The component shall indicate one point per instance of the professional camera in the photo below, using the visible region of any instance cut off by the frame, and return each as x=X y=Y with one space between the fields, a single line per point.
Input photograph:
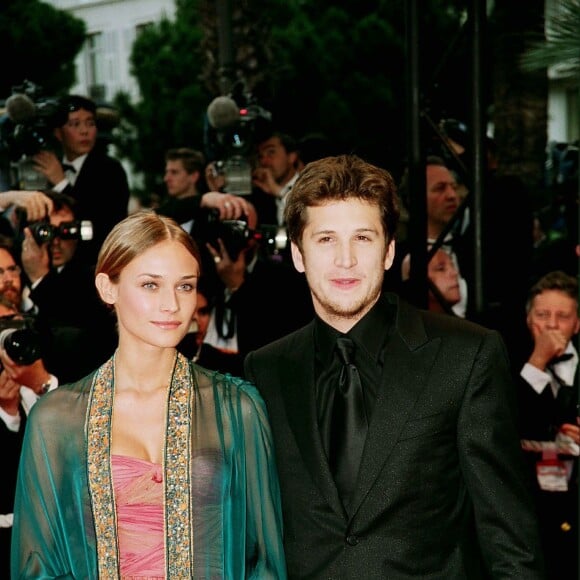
x=19 y=338
x=25 y=129
x=43 y=231
x=236 y=235
x=235 y=124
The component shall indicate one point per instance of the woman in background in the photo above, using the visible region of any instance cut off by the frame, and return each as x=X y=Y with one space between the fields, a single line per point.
x=151 y=466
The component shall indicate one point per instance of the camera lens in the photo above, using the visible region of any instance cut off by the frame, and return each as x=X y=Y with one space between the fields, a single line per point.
x=21 y=344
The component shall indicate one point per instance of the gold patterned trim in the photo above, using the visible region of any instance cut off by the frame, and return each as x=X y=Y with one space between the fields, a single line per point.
x=99 y=417
x=177 y=470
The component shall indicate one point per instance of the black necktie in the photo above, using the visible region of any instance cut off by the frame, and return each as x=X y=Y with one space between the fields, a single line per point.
x=69 y=167
x=349 y=423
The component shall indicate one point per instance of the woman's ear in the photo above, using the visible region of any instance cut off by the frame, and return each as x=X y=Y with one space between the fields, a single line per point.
x=105 y=288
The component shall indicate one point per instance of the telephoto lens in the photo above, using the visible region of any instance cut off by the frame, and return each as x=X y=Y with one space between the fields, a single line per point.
x=21 y=344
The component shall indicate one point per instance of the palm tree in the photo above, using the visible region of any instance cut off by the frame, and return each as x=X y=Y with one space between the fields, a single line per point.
x=561 y=47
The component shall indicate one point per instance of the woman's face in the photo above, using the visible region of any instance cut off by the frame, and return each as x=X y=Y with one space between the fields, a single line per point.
x=155 y=297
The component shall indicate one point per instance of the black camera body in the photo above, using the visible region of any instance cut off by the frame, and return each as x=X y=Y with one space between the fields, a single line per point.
x=43 y=231
x=236 y=235
x=20 y=340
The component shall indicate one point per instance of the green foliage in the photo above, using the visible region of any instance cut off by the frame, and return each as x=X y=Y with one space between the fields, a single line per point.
x=166 y=62
x=318 y=66
x=561 y=48
x=39 y=44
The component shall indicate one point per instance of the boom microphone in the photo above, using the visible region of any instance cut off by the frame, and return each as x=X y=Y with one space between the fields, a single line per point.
x=222 y=113
x=20 y=108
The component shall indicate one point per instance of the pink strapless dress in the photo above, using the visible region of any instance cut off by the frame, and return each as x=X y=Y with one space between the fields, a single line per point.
x=138 y=488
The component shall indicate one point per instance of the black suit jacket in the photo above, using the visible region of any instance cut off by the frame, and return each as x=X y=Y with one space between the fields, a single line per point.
x=11 y=445
x=441 y=490
x=101 y=191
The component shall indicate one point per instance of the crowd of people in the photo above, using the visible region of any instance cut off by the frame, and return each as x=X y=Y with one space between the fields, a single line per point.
x=239 y=386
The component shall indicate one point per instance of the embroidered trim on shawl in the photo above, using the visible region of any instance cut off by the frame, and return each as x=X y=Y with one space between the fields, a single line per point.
x=177 y=470
x=99 y=415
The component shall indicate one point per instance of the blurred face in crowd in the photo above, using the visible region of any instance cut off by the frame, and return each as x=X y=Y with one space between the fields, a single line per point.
x=201 y=317
x=554 y=310
x=62 y=251
x=10 y=282
x=443 y=273
x=78 y=135
x=178 y=181
x=442 y=198
x=272 y=155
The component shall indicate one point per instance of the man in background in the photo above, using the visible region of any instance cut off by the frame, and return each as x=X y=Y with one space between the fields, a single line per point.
x=85 y=171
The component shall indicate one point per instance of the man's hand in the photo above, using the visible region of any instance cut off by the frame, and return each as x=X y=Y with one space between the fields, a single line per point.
x=547 y=345
x=33 y=375
x=9 y=394
x=47 y=163
x=230 y=272
x=34 y=257
x=263 y=178
x=231 y=207
x=37 y=204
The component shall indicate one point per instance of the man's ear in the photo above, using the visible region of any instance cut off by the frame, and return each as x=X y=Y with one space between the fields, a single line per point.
x=106 y=289
x=297 y=257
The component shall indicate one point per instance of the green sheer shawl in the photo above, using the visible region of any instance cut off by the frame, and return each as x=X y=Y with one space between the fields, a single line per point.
x=222 y=506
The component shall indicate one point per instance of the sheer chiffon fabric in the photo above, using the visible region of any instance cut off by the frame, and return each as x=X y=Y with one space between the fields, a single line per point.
x=138 y=488
x=221 y=502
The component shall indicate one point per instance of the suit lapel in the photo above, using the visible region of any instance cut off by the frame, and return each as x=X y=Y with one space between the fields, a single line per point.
x=409 y=356
x=298 y=388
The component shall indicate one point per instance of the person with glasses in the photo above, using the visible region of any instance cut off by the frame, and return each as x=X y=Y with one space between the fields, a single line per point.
x=85 y=171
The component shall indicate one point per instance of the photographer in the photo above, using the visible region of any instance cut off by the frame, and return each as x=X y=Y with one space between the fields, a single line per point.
x=61 y=291
x=86 y=173
x=258 y=299
x=20 y=387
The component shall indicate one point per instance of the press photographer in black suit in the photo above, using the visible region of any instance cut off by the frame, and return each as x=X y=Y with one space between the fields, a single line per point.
x=61 y=292
x=85 y=172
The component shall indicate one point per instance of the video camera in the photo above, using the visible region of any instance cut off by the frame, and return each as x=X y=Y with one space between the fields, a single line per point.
x=25 y=129
x=19 y=338
x=236 y=235
x=234 y=125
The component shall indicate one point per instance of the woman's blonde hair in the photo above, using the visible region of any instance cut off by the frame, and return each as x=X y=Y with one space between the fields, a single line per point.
x=136 y=234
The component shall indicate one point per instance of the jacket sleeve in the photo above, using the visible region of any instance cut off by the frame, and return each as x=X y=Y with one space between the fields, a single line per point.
x=493 y=467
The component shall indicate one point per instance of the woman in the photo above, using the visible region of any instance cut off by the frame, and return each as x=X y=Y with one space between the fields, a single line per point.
x=151 y=466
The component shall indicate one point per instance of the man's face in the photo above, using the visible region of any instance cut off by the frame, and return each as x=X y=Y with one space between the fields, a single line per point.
x=62 y=251
x=10 y=283
x=78 y=135
x=177 y=180
x=344 y=256
x=273 y=155
x=442 y=197
x=554 y=310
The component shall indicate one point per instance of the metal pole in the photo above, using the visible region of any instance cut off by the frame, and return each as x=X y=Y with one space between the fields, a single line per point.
x=415 y=165
x=477 y=19
x=225 y=45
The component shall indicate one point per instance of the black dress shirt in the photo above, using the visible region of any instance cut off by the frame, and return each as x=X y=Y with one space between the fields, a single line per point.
x=370 y=335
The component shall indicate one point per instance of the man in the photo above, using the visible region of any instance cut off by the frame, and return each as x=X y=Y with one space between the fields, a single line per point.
x=183 y=169
x=20 y=387
x=86 y=173
x=61 y=292
x=440 y=491
x=550 y=432
x=277 y=157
